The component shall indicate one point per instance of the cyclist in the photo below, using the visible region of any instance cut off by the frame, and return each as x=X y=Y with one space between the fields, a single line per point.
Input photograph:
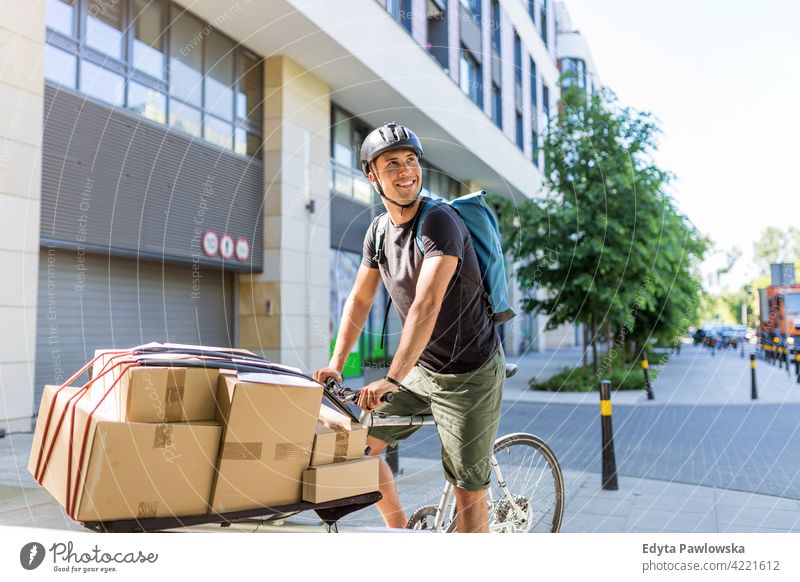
x=449 y=360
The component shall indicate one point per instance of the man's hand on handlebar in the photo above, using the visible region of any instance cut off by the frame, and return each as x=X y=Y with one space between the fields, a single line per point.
x=370 y=396
x=323 y=374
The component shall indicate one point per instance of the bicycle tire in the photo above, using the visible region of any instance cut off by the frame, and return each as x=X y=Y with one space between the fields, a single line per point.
x=542 y=497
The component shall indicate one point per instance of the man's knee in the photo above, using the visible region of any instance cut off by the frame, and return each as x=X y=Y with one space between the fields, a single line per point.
x=376 y=446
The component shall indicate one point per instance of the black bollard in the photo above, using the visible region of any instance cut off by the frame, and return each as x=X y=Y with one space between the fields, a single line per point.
x=393 y=459
x=647 y=385
x=797 y=364
x=742 y=350
x=609 y=460
x=788 y=354
x=753 y=389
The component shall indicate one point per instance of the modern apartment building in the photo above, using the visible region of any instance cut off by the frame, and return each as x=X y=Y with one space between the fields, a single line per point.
x=188 y=171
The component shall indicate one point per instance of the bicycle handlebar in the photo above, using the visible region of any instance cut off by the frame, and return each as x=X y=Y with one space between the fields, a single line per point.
x=346 y=394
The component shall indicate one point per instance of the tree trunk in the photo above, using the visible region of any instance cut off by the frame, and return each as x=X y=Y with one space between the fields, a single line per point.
x=594 y=344
x=585 y=345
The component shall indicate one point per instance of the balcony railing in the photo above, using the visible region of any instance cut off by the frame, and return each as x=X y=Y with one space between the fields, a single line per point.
x=347 y=181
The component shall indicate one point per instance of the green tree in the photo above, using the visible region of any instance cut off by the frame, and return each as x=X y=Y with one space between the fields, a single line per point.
x=776 y=246
x=605 y=242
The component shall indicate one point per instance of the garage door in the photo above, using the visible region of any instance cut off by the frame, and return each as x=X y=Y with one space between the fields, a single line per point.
x=90 y=301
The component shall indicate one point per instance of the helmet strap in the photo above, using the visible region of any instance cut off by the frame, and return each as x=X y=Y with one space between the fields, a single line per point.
x=401 y=206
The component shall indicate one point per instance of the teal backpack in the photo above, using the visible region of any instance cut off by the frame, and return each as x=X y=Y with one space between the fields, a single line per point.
x=482 y=225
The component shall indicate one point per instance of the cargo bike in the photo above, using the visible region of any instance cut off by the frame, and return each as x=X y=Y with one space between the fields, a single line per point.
x=527 y=485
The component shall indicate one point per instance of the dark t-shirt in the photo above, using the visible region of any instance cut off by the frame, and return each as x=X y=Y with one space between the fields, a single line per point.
x=464 y=337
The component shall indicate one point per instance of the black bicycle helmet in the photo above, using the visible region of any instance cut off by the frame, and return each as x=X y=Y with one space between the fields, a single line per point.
x=391 y=136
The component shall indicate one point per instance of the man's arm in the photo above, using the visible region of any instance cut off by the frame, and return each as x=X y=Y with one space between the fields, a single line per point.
x=434 y=278
x=354 y=316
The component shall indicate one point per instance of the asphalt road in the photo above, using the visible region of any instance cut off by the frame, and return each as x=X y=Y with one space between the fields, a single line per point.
x=752 y=448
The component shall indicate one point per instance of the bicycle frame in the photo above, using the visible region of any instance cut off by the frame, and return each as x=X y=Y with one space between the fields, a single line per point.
x=379 y=419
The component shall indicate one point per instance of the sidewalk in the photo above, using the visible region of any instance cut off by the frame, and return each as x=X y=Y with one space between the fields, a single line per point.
x=694 y=377
x=640 y=505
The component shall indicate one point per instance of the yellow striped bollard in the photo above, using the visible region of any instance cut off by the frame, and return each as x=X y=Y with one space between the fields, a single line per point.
x=647 y=385
x=753 y=390
x=609 y=460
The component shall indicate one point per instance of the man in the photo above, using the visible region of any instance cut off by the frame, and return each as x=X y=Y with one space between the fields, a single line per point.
x=449 y=362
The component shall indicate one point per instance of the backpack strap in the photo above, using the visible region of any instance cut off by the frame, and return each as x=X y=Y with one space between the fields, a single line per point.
x=378 y=236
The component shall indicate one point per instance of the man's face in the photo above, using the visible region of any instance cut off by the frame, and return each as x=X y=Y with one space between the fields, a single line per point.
x=399 y=174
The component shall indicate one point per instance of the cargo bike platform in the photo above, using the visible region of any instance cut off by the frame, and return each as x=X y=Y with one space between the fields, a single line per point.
x=329 y=512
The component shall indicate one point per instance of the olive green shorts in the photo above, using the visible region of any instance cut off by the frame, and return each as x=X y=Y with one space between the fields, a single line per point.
x=466 y=408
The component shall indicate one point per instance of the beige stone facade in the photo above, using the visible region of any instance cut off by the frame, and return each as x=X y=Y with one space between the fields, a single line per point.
x=284 y=311
x=21 y=103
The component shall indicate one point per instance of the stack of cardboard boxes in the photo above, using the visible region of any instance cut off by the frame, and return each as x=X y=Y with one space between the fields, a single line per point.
x=144 y=442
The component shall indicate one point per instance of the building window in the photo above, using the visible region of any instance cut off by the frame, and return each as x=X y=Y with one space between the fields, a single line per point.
x=532 y=11
x=60 y=16
x=497 y=106
x=574 y=72
x=212 y=88
x=519 y=133
x=517 y=58
x=546 y=103
x=60 y=67
x=148 y=40
x=470 y=77
x=401 y=11
x=347 y=135
x=543 y=20
x=496 y=26
x=473 y=9
x=437 y=32
x=104 y=27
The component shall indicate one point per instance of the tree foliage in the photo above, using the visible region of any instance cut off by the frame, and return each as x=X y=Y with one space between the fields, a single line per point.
x=605 y=245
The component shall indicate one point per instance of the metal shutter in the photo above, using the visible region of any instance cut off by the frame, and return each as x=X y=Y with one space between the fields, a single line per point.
x=118 y=303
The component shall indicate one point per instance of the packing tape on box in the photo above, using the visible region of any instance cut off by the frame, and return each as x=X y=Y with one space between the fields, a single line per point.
x=340 y=449
x=173 y=407
x=164 y=437
x=292 y=451
x=241 y=451
x=147 y=509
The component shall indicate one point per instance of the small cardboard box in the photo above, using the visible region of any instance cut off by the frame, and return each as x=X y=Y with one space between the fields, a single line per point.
x=156 y=394
x=129 y=470
x=339 y=480
x=268 y=436
x=324 y=446
x=351 y=437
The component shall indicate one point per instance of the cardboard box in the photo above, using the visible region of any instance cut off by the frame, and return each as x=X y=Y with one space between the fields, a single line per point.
x=324 y=446
x=154 y=394
x=339 y=480
x=351 y=437
x=129 y=470
x=268 y=437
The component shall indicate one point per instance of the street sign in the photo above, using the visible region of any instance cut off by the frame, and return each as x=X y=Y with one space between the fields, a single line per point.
x=210 y=243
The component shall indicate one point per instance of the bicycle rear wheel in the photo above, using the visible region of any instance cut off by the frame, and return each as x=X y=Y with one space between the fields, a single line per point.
x=527 y=487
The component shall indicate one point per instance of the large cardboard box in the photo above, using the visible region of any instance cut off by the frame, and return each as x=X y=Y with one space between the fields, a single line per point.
x=339 y=480
x=129 y=470
x=351 y=437
x=268 y=436
x=156 y=394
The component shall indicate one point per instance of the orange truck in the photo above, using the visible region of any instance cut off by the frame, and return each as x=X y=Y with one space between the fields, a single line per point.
x=779 y=308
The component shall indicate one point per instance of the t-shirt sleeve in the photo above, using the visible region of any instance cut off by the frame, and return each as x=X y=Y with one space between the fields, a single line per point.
x=442 y=235
x=368 y=251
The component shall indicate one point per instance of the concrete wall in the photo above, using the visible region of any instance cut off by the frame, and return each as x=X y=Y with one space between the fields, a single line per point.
x=21 y=103
x=284 y=311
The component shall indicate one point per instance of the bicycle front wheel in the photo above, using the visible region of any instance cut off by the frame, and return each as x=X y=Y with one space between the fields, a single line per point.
x=527 y=486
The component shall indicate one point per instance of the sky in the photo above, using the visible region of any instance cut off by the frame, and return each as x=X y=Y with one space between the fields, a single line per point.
x=723 y=78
